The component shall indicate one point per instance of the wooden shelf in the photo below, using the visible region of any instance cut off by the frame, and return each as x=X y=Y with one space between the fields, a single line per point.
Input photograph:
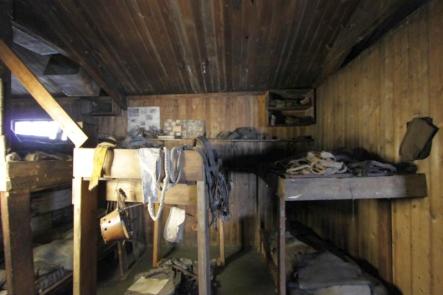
x=276 y=116
x=230 y=140
x=296 y=109
x=126 y=164
x=349 y=188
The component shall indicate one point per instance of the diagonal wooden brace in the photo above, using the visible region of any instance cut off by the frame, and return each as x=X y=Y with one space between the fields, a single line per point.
x=41 y=95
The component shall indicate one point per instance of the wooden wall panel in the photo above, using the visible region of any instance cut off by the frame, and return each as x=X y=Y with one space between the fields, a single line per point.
x=220 y=111
x=368 y=104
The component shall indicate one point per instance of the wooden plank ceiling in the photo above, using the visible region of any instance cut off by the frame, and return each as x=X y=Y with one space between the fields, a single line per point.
x=157 y=46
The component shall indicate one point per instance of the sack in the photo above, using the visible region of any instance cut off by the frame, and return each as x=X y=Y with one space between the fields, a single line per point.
x=174 y=226
x=417 y=142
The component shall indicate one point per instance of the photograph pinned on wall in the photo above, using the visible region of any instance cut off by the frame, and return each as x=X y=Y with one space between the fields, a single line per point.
x=147 y=118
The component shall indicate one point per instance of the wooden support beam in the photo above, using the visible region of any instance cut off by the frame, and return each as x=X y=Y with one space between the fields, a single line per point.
x=85 y=238
x=126 y=164
x=17 y=240
x=41 y=95
x=122 y=260
x=221 y=238
x=204 y=271
x=156 y=240
x=5 y=74
x=281 y=264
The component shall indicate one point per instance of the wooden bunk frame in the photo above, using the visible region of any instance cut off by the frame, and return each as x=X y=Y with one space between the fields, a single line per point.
x=336 y=188
x=125 y=173
x=18 y=180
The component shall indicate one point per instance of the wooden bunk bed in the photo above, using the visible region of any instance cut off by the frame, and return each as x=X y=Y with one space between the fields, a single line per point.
x=125 y=174
x=19 y=179
x=298 y=189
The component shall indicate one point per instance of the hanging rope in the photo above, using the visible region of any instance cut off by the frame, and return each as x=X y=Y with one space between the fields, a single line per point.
x=172 y=167
x=217 y=186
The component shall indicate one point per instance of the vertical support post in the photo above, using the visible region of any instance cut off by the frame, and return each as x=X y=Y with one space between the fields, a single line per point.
x=5 y=74
x=17 y=240
x=85 y=238
x=122 y=260
x=156 y=240
x=204 y=280
x=221 y=235
x=281 y=244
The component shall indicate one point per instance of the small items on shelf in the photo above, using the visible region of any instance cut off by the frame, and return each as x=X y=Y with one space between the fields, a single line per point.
x=292 y=107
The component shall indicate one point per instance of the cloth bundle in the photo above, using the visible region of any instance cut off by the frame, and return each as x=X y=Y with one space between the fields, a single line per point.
x=152 y=167
x=318 y=163
x=174 y=226
x=357 y=162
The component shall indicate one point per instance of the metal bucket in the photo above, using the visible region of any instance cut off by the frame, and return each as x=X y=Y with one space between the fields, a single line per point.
x=113 y=227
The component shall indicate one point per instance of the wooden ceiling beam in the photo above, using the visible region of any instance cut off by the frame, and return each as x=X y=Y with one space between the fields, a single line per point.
x=370 y=18
x=41 y=95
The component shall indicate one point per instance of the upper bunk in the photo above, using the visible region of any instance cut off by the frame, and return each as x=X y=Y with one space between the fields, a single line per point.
x=33 y=176
x=352 y=188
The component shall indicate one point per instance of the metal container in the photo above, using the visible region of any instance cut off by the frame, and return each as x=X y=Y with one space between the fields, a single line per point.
x=113 y=227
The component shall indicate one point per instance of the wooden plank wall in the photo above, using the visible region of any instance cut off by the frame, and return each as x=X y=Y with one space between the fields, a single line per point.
x=368 y=104
x=27 y=108
x=221 y=112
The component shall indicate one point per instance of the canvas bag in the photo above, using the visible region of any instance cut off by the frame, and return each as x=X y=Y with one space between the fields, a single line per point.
x=417 y=142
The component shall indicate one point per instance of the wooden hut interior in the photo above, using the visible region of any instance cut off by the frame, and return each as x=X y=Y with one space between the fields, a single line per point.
x=153 y=147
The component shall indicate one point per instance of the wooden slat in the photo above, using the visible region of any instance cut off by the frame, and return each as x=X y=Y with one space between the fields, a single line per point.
x=126 y=164
x=85 y=238
x=17 y=240
x=204 y=271
x=39 y=175
x=435 y=78
x=3 y=165
x=352 y=188
x=218 y=46
x=221 y=241
x=281 y=263
x=156 y=240
x=41 y=95
x=180 y=194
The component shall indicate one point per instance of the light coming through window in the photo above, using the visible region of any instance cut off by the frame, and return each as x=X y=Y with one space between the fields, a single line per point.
x=43 y=129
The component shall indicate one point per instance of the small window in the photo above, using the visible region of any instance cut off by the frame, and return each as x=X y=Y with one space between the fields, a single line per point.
x=38 y=130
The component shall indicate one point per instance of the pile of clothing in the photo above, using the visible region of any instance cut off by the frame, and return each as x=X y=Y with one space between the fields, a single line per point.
x=356 y=162
x=314 y=267
x=52 y=263
x=248 y=133
x=37 y=156
x=324 y=273
x=140 y=138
